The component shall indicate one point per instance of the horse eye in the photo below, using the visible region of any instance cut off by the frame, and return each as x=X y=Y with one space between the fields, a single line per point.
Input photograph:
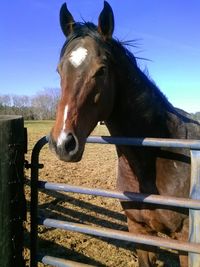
x=100 y=72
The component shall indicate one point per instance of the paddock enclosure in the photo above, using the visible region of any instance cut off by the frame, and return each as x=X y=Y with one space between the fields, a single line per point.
x=57 y=204
x=192 y=145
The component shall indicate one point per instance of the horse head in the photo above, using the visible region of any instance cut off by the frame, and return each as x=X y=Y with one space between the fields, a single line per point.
x=87 y=87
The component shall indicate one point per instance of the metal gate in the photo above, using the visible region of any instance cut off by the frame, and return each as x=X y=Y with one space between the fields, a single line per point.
x=192 y=203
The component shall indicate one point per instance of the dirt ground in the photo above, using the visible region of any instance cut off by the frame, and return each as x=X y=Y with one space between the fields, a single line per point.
x=97 y=169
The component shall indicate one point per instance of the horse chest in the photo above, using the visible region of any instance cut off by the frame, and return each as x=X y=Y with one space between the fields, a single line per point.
x=173 y=175
x=127 y=179
x=136 y=173
x=160 y=177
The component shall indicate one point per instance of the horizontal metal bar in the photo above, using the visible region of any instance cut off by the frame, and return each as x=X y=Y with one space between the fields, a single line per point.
x=130 y=196
x=122 y=235
x=58 y=262
x=152 y=142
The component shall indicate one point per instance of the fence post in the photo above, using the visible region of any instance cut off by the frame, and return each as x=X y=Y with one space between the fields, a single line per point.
x=12 y=201
x=34 y=199
x=194 y=229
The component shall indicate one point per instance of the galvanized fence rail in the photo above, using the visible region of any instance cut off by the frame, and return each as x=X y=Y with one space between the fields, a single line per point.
x=192 y=203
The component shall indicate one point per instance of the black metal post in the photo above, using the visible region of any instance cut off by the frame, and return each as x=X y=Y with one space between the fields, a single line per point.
x=34 y=198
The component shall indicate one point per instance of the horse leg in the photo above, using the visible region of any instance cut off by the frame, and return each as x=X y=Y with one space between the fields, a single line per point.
x=145 y=258
x=183 y=260
x=183 y=236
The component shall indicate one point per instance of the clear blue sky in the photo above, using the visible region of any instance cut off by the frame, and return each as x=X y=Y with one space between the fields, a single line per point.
x=168 y=33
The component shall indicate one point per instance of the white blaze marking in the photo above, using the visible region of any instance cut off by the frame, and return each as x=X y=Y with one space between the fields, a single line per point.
x=63 y=135
x=65 y=116
x=61 y=138
x=78 y=56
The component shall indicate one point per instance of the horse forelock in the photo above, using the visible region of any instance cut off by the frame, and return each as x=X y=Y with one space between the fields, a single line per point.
x=113 y=47
x=81 y=30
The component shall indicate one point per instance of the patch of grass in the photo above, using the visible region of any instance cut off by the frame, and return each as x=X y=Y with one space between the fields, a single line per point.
x=41 y=126
x=38 y=129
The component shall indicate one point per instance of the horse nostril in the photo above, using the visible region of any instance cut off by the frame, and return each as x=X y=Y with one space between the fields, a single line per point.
x=70 y=143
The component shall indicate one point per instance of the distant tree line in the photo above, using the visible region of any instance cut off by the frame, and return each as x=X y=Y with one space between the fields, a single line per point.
x=196 y=116
x=42 y=106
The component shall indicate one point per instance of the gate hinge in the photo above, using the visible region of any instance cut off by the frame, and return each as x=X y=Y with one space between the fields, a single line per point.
x=28 y=165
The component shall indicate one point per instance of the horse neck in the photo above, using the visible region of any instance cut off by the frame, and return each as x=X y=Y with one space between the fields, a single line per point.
x=140 y=109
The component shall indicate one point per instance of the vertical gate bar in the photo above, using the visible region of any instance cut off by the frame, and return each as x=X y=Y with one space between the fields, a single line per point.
x=194 y=215
x=34 y=199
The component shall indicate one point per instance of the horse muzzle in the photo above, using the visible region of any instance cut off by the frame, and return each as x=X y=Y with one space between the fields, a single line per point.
x=67 y=147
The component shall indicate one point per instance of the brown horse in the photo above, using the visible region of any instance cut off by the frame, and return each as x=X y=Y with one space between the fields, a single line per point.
x=100 y=80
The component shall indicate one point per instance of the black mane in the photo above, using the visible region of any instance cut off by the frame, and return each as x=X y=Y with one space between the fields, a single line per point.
x=124 y=59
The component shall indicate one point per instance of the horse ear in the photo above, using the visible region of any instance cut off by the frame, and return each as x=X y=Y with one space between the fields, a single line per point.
x=106 y=21
x=66 y=20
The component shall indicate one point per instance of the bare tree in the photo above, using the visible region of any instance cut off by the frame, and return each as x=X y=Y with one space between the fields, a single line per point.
x=5 y=100
x=21 y=101
x=44 y=103
x=5 y=104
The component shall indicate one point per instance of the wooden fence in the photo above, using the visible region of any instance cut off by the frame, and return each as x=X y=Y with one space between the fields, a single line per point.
x=12 y=201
